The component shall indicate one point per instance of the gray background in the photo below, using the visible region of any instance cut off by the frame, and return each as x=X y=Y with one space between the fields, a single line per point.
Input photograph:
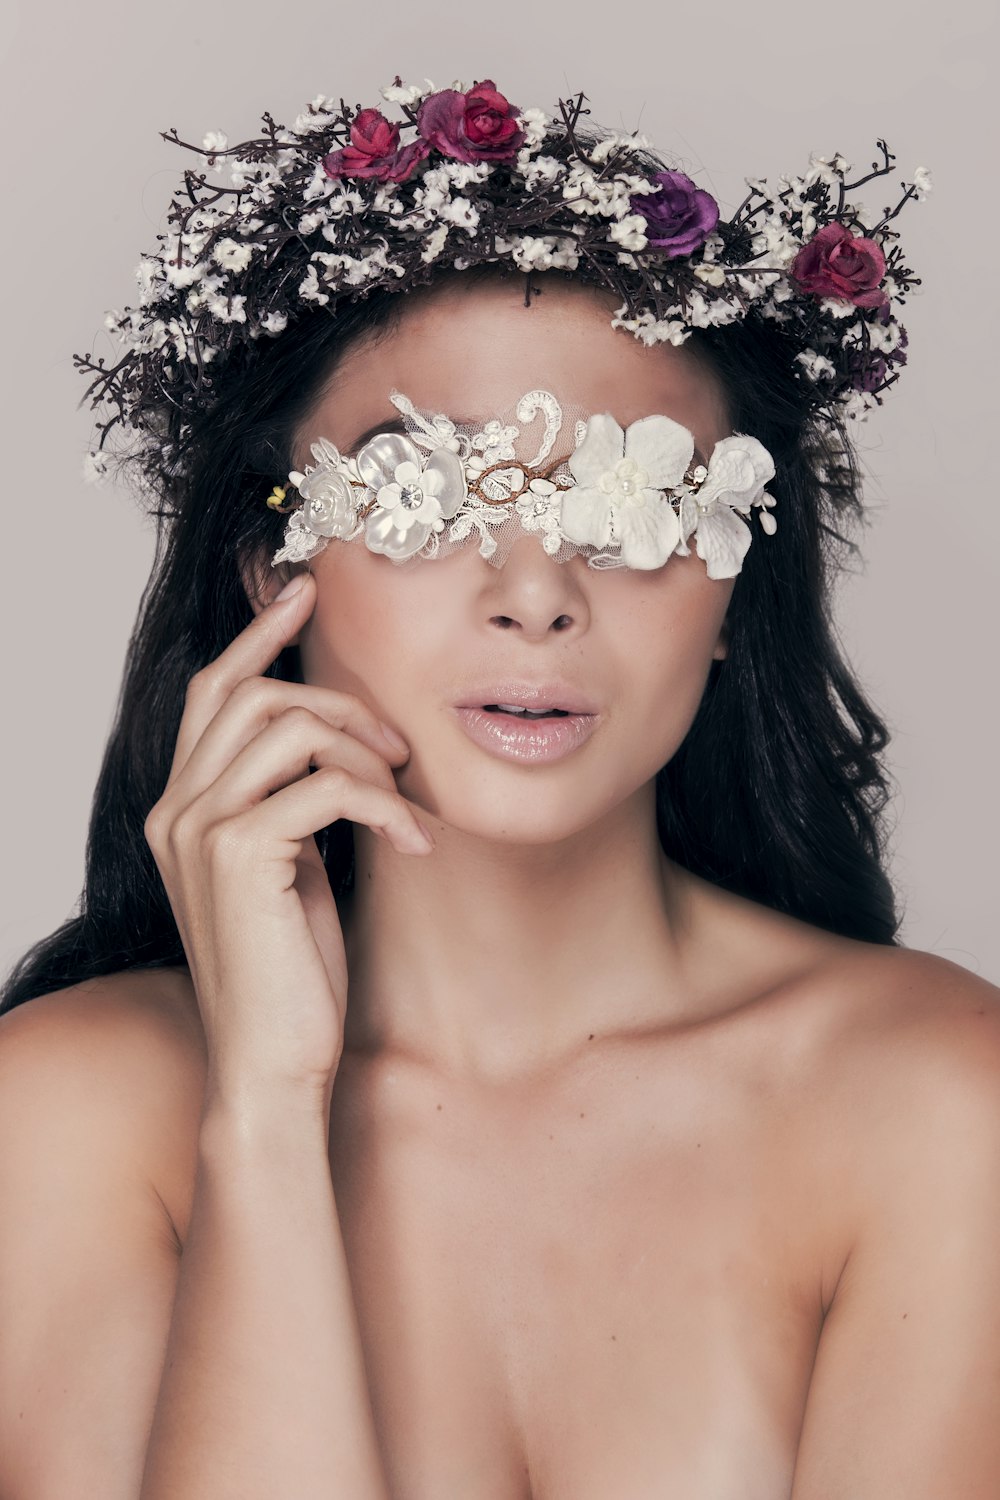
x=729 y=91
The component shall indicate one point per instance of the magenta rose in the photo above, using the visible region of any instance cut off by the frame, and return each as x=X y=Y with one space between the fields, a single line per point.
x=679 y=216
x=475 y=126
x=375 y=151
x=837 y=263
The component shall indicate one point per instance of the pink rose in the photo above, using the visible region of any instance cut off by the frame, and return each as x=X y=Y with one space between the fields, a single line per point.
x=471 y=127
x=375 y=151
x=836 y=263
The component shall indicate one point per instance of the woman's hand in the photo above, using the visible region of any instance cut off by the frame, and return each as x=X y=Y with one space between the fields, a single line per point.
x=232 y=836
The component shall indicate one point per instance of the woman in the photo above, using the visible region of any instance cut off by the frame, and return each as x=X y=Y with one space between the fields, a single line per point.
x=636 y=1158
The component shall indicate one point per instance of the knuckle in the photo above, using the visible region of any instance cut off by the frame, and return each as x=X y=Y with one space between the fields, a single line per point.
x=251 y=693
x=198 y=686
x=155 y=824
x=298 y=719
x=335 y=779
x=184 y=829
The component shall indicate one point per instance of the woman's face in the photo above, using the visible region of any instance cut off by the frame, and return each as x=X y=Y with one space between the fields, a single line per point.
x=431 y=644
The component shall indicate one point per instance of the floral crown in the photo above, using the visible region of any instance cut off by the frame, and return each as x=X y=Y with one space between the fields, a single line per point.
x=341 y=204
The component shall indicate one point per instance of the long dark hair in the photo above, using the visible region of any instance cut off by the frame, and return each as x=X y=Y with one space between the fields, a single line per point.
x=777 y=793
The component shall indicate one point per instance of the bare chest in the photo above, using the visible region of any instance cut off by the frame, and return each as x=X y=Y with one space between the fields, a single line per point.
x=604 y=1295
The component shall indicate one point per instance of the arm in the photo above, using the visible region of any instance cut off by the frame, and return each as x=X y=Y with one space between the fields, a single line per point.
x=262 y=1391
x=904 y=1402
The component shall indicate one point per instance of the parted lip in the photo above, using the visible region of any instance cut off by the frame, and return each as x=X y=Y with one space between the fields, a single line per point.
x=536 y=695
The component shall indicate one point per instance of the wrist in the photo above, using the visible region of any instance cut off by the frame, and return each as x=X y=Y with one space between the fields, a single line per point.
x=256 y=1112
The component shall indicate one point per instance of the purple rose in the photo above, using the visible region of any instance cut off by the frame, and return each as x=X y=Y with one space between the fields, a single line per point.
x=679 y=216
x=375 y=151
x=475 y=126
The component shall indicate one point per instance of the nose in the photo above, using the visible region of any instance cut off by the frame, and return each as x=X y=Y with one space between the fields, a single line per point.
x=534 y=595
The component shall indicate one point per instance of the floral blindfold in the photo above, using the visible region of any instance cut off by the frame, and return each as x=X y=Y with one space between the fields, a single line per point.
x=625 y=497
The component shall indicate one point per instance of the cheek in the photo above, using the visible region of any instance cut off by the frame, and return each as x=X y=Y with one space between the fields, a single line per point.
x=677 y=618
x=372 y=619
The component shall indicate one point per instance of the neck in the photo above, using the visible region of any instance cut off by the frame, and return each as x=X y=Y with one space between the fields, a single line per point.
x=493 y=960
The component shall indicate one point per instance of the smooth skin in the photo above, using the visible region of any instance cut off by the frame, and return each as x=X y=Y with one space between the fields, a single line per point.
x=595 y=1180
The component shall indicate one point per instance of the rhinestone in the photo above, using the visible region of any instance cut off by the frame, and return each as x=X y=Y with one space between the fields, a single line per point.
x=410 y=496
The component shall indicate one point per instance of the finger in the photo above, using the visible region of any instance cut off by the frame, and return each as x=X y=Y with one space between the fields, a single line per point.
x=257 y=701
x=283 y=752
x=248 y=655
x=332 y=792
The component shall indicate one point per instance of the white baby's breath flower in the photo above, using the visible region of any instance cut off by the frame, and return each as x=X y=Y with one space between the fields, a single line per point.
x=214 y=140
x=838 y=307
x=616 y=139
x=565 y=254
x=539 y=170
x=630 y=232
x=274 y=322
x=320 y=184
x=406 y=93
x=309 y=288
x=231 y=255
x=228 y=309
x=321 y=112
x=534 y=123
x=95 y=466
x=816 y=365
x=923 y=183
x=183 y=275
x=712 y=275
x=435 y=243
x=855 y=405
x=461 y=212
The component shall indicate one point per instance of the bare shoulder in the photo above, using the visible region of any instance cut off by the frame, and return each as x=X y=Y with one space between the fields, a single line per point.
x=115 y=1062
x=900 y=1060
x=843 y=999
x=920 y=1021
x=875 y=1043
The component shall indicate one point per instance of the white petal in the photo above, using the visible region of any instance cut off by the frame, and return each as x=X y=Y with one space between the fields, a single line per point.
x=382 y=536
x=407 y=472
x=722 y=541
x=662 y=447
x=444 y=477
x=737 y=471
x=602 y=448
x=379 y=459
x=585 y=516
x=648 y=533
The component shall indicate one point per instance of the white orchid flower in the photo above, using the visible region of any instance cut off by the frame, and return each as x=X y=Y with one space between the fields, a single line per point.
x=738 y=470
x=619 y=475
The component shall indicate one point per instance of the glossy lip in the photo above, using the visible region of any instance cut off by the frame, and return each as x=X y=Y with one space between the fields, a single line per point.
x=540 y=695
x=528 y=741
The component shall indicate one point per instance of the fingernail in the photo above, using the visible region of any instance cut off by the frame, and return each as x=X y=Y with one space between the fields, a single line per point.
x=291 y=587
x=395 y=740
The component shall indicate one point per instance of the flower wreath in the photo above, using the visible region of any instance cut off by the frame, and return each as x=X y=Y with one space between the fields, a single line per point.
x=341 y=204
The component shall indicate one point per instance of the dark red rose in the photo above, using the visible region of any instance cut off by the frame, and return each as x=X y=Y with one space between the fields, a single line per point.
x=472 y=127
x=375 y=151
x=837 y=263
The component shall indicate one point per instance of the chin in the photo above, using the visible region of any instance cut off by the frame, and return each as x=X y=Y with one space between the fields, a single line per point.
x=518 y=805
